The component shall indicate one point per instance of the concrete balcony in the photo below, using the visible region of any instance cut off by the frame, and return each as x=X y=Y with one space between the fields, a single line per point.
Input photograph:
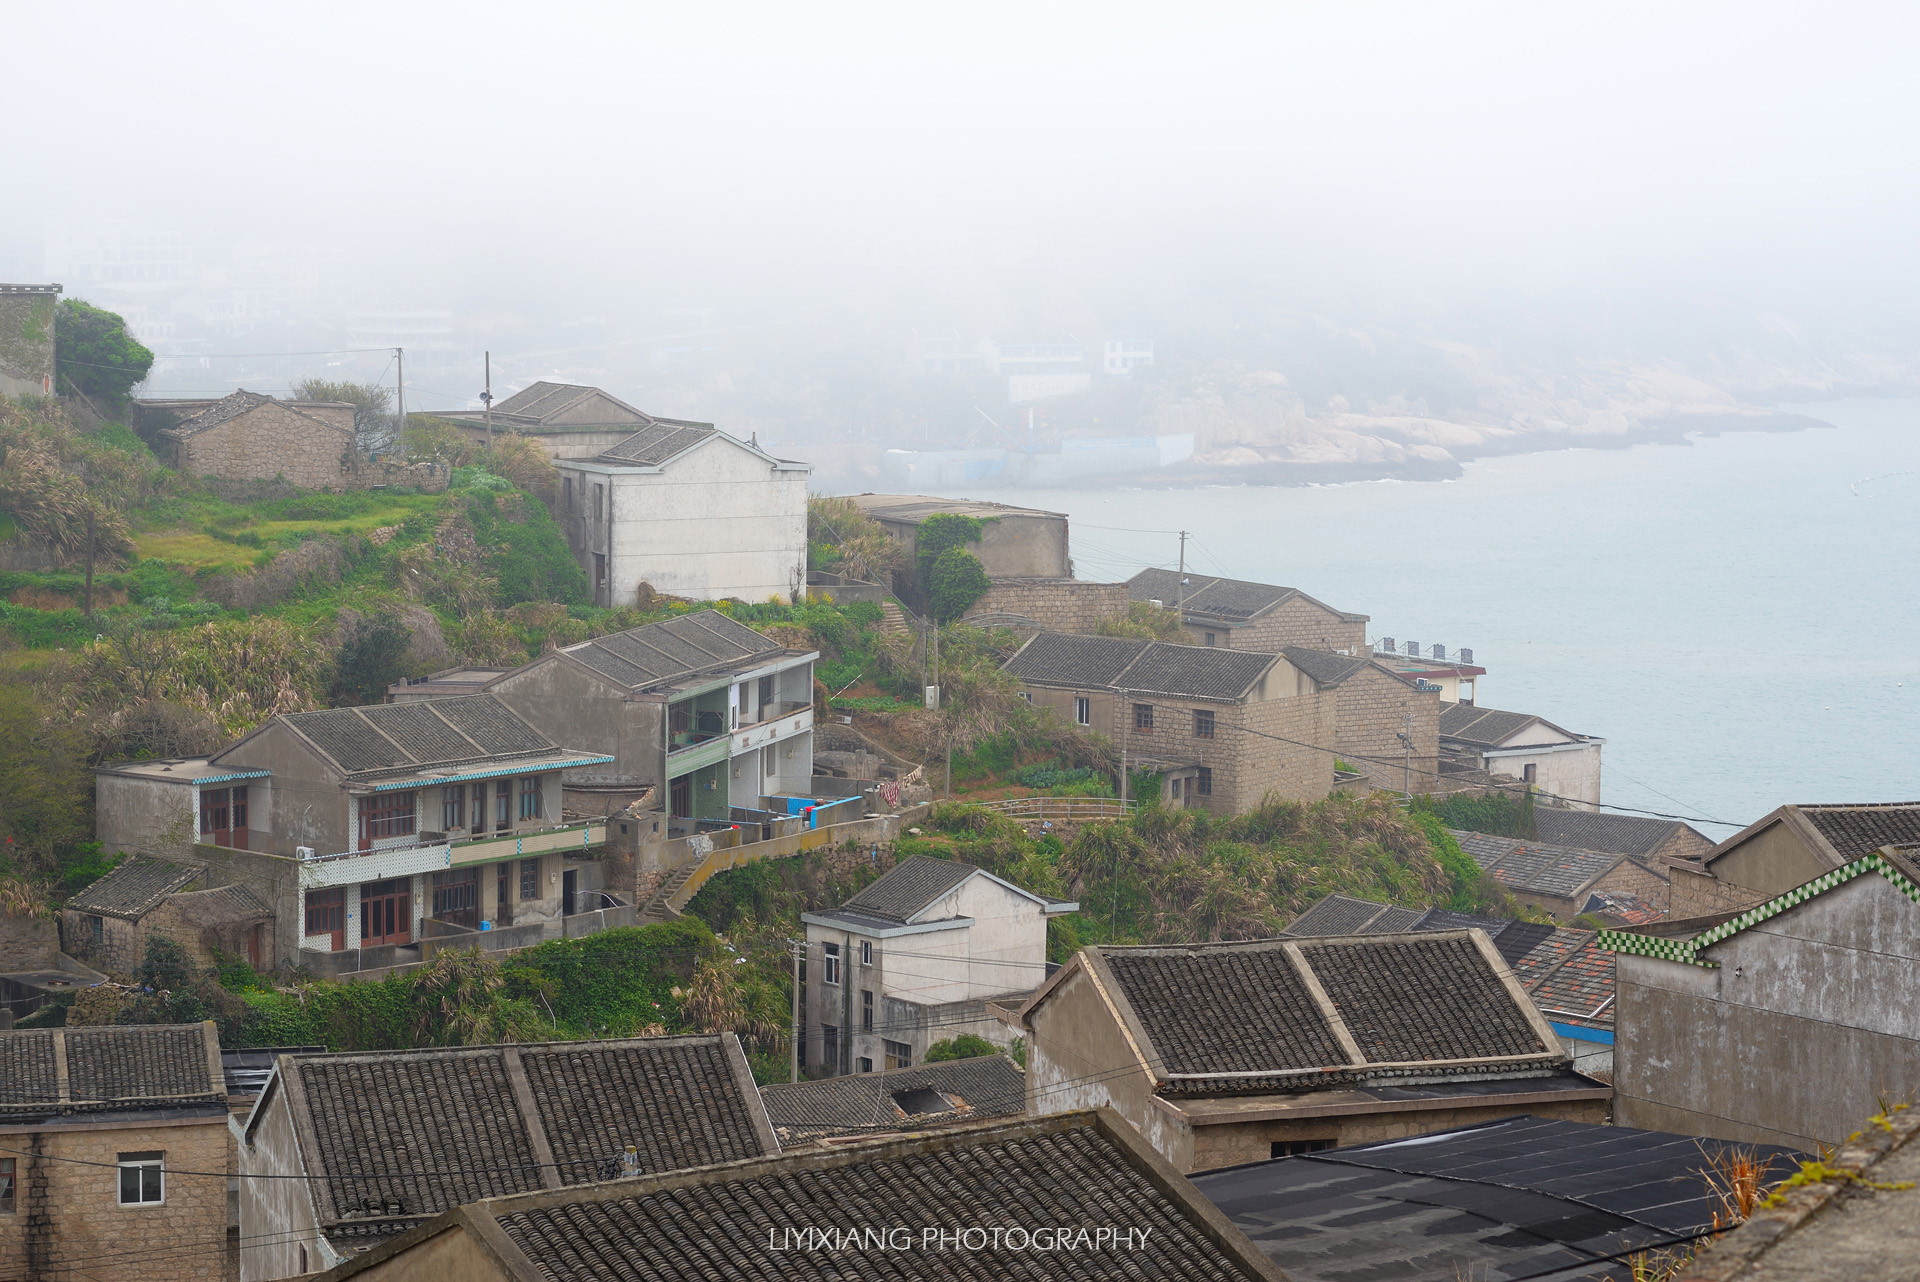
x=353 y=866
x=792 y=719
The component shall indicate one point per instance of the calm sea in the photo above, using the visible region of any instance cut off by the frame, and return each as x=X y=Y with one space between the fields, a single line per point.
x=1737 y=615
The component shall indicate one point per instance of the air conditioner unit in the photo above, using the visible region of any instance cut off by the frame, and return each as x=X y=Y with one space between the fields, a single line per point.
x=303 y=852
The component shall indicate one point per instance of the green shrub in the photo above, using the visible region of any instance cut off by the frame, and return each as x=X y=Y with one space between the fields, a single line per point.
x=965 y=1046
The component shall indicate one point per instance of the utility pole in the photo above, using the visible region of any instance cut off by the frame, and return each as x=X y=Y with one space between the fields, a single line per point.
x=1406 y=741
x=400 y=388
x=1126 y=728
x=1180 y=600
x=486 y=399
x=798 y=950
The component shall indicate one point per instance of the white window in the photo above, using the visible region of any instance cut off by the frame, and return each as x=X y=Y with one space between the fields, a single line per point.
x=833 y=964
x=142 y=1181
x=1083 y=711
x=866 y=952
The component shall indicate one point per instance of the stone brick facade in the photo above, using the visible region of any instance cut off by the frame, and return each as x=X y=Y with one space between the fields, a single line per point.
x=1694 y=893
x=1058 y=605
x=1300 y=620
x=270 y=440
x=1232 y=1144
x=1373 y=710
x=26 y=339
x=69 y=1223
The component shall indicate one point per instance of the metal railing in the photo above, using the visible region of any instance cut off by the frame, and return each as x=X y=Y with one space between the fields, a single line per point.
x=1073 y=809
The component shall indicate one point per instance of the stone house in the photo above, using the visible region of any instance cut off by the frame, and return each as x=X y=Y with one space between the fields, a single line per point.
x=569 y=420
x=1786 y=1023
x=345 y=1151
x=916 y=958
x=26 y=339
x=1651 y=841
x=108 y=923
x=1237 y=615
x=1563 y=880
x=690 y=511
x=1054 y=1199
x=113 y=1153
x=1223 y=728
x=248 y=436
x=1220 y=1054
x=709 y=714
x=1017 y=543
x=1048 y=605
x=1385 y=726
x=1794 y=844
x=1557 y=762
x=901 y=1099
x=374 y=835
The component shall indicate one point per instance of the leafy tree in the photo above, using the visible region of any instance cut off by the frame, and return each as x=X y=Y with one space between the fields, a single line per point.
x=94 y=354
x=957 y=581
x=43 y=784
x=937 y=534
x=373 y=420
x=526 y=463
x=965 y=1046
x=841 y=536
x=372 y=657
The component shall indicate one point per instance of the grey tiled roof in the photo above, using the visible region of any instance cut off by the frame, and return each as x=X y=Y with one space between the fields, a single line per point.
x=135 y=888
x=420 y=735
x=1345 y=915
x=125 y=1067
x=1593 y=830
x=1233 y=600
x=1534 y=866
x=656 y=653
x=1337 y=915
x=1243 y=1009
x=1856 y=830
x=1068 y=1170
x=234 y=404
x=1141 y=667
x=962 y=1090
x=541 y=401
x=222 y=904
x=1485 y=727
x=1325 y=667
x=908 y=888
x=656 y=443
x=431 y=1129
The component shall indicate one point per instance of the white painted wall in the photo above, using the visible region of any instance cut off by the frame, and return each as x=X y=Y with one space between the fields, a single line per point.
x=718 y=522
x=1571 y=772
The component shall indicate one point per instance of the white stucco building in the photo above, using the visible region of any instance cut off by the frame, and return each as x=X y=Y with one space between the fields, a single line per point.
x=691 y=511
x=916 y=958
x=1532 y=749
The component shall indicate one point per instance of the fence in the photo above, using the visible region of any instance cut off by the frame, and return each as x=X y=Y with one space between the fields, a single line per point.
x=1069 y=809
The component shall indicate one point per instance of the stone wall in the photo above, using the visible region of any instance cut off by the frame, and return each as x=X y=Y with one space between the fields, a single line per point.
x=69 y=1222
x=1296 y=621
x=1276 y=759
x=1373 y=707
x=1058 y=605
x=28 y=943
x=1693 y=893
x=26 y=339
x=268 y=441
x=1231 y=1145
x=1632 y=877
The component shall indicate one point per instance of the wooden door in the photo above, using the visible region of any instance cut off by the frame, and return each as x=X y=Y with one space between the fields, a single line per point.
x=456 y=897
x=680 y=795
x=386 y=913
x=327 y=915
x=569 y=890
x=503 y=905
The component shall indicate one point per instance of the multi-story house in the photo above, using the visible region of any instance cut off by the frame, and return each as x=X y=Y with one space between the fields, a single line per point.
x=113 y=1153
x=1558 y=762
x=368 y=830
x=1237 y=615
x=689 y=511
x=916 y=958
x=1224 y=729
x=707 y=712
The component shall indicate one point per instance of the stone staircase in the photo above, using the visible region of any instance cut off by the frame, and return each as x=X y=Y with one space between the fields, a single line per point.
x=670 y=899
x=892 y=621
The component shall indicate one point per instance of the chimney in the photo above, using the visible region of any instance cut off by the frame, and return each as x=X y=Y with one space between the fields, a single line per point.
x=630 y=1163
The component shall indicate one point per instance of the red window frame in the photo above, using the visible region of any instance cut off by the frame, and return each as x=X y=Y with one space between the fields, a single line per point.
x=387 y=814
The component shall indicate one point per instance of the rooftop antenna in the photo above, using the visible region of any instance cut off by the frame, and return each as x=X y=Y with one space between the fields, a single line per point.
x=400 y=383
x=1180 y=601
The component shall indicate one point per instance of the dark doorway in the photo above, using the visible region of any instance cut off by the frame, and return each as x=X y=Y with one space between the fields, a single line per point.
x=680 y=796
x=386 y=912
x=569 y=890
x=456 y=897
x=502 y=905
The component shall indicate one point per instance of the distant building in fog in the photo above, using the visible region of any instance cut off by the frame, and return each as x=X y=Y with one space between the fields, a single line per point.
x=1124 y=355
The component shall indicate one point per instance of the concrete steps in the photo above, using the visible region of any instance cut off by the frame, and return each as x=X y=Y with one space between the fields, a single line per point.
x=892 y=621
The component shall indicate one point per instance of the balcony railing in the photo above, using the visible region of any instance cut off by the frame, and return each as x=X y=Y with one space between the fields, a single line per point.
x=486 y=845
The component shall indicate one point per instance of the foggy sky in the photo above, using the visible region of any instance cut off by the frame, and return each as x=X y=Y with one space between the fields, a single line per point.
x=966 y=160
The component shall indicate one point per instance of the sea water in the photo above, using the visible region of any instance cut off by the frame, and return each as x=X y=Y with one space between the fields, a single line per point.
x=1736 y=615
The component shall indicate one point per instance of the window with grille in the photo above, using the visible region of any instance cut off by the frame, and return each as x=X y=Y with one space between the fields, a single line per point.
x=899 y=1054
x=1083 y=712
x=387 y=814
x=529 y=879
x=97 y=930
x=530 y=797
x=1205 y=784
x=866 y=1011
x=1202 y=724
x=453 y=807
x=142 y=1181
x=1143 y=717
x=8 y=1167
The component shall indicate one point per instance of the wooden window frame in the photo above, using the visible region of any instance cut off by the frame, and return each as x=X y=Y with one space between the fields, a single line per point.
x=899 y=1054
x=453 y=807
x=1204 y=784
x=9 y=1185
x=1143 y=718
x=389 y=814
x=530 y=790
x=325 y=913
x=529 y=879
x=1203 y=723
